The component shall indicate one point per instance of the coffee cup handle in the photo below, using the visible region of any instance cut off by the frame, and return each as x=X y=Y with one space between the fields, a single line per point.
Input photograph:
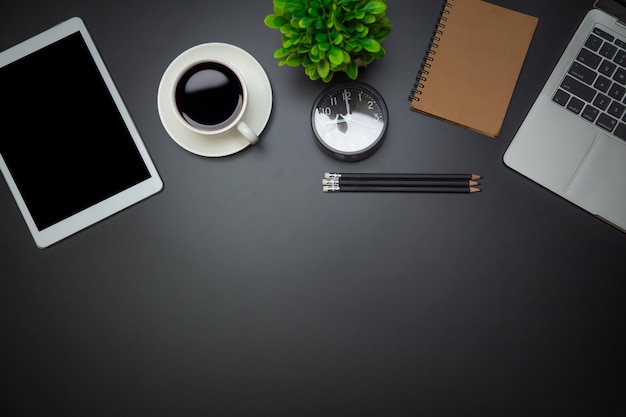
x=243 y=128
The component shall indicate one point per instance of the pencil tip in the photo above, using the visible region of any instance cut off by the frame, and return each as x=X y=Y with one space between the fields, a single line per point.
x=476 y=177
x=474 y=190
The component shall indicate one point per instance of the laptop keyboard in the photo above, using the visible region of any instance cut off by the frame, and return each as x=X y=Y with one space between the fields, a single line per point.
x=595 y=85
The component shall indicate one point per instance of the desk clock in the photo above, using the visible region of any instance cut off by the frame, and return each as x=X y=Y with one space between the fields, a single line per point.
x=349 y=120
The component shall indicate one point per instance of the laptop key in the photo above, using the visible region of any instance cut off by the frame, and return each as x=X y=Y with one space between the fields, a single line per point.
x=593 y=43
x=601 y=101
x=606 y=122
x=620 y=131
x=582 y=73
x=620 y=76
x=602 y=33
x=561 y=97
x=577 y=88
x=602 y=83
x=617 y=91
x=616 y=109
x=575 y=105
x=608 y=50
x=590 y=113
x=620 y=58
x=589 y=58
x=607 y=68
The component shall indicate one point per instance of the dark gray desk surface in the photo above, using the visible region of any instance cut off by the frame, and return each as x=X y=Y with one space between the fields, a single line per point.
x=242 y=290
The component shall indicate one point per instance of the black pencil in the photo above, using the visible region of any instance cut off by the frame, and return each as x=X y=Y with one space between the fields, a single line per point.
x=402 y=176
x=397 y=183
x=388 y=189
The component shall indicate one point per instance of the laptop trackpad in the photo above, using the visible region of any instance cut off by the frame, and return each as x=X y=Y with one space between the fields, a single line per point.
x=600 y=183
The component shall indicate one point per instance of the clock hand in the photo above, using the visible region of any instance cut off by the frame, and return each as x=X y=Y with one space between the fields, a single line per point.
x=339 y=118
x=357 y=121
x=345 y=98
x=343 y=127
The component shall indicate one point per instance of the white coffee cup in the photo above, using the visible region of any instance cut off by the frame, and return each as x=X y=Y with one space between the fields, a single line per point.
x=210 y=97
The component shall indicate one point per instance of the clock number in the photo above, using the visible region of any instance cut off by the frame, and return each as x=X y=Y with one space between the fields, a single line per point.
x=327 y=111
x=347 y=95
x=370 y=105
x=333 y=101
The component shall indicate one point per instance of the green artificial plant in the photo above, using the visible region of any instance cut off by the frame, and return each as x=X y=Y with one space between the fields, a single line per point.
x=329 y=36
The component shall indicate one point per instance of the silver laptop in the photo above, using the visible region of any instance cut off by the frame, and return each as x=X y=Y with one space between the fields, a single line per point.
x=573 y=140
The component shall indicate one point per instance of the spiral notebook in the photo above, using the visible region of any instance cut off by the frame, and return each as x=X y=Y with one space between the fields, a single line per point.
x=472 y=64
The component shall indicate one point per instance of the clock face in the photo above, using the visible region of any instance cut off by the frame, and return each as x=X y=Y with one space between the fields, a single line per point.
x=349 y=120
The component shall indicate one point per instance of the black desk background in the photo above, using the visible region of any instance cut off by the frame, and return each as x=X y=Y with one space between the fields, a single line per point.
x=241 y=289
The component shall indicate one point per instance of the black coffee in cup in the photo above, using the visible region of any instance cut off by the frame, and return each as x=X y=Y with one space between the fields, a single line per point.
x=209 y=96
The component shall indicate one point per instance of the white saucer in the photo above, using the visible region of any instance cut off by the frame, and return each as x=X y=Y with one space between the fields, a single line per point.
x=256 y=116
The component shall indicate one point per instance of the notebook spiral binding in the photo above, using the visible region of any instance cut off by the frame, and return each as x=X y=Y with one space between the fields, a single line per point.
x=422 y=74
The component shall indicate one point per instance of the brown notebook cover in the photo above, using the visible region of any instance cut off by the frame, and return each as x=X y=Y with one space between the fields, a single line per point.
x=472 y=64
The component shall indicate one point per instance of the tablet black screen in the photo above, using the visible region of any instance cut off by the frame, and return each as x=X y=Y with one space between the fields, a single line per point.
x=69 y=147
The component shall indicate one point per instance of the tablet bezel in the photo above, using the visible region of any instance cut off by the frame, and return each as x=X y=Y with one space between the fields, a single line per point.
x=111 y=205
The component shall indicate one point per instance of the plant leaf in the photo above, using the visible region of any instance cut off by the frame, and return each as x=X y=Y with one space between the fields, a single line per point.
x=321 y=37
x=294 y=60
x=375 y=7
x=288 y=5
x=382 y=33
x=312 y=73
x=346 y=57
x=289 y=42
x=323 y=68
x=338 y=39
x=273 y=21
x=306 y=21
x=299 y=14
x=369 y=19
x=353 y=70
x=281 y=53
x=324 y=46
x=335 y=56
x=370 y=45
x=314 y=58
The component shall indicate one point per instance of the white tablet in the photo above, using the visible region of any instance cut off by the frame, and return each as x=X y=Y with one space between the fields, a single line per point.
x=70 y=152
